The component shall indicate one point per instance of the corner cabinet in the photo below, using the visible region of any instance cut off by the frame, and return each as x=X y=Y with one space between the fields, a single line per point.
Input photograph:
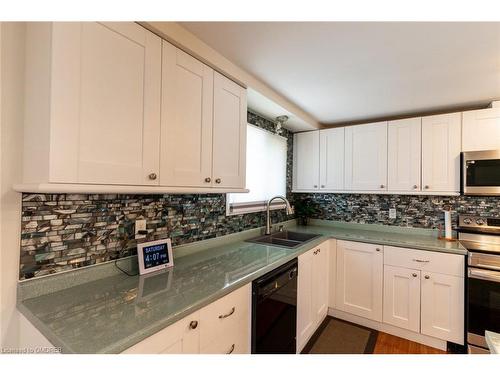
x=359 y=279
x=306 y=161
x=111 y=105
x=312 y=292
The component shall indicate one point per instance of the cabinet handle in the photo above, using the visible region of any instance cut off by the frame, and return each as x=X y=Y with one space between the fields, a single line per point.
x=218 y=181
x=315 y=186
x=427 y=277
x=377 y=249
x=382 y=186
x=193 y=324
x=208 y=179
x=421 y=261
x=414 y=274
x=231 y=350
x=228 y=314
x=426 y=187
x=322 y=186
x=152 y=176
x=415 y=186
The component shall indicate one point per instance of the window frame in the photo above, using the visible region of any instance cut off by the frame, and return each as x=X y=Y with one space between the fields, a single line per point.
x=241 y=208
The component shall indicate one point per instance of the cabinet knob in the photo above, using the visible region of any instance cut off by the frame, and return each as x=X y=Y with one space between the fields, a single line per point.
x=377 y=249
x=382 y=186
x=427 y=277
x=426 y=187
x=315 y=186
x=322 y=186
x=152 y=176
x=415 y=186
x=414 y=274
x=218 y=181
x=193 y=324
x=208 y=179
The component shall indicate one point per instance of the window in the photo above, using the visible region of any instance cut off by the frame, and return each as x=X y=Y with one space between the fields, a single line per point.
x=266 y=172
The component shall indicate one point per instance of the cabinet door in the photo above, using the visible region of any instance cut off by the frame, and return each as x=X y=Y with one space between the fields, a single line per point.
x=404 y=154
x=186 y=125
x=481 y=130
x=442 y=307
x=332 y=273
x=359 y=279
x=229 y=133
x=331 y=159
x=305 y=313
x=320 y=283
x=306 y=160
x=178 y=338
x=402 y=297
x=105 y=104
x=366 y=157
x=441 y=142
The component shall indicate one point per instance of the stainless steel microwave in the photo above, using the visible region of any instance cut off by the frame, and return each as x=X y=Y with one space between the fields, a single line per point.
x=481 y=172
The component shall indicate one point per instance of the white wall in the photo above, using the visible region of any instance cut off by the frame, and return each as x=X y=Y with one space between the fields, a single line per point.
x=12 y=51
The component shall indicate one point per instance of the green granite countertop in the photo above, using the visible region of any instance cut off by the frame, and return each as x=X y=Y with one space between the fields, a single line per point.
x=101 y=310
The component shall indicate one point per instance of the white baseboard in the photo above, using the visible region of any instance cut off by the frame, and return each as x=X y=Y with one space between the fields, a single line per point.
x=387 y=328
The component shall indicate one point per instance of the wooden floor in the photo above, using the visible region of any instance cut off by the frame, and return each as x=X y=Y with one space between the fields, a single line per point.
x=389 y=344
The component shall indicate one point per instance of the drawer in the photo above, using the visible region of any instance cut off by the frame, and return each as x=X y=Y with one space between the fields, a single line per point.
x=432 y=261
x=217 y=317
x=235 y=339
x=177 y=338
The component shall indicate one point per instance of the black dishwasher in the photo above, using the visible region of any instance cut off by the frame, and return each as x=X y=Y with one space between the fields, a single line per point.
x=274 y=311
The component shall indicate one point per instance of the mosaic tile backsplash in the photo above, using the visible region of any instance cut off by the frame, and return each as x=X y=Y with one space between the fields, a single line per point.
x=64 y=231
x=412 y=210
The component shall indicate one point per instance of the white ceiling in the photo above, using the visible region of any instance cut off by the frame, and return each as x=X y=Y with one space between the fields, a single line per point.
x=343 y=72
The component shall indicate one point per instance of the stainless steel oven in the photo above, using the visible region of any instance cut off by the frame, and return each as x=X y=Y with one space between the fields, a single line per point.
x=481 y=172
x=481 y=237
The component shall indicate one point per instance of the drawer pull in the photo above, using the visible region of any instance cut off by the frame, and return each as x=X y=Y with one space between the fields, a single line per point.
x=193 y=324
x=421 y=261
x=231 y=350
x=228 y=314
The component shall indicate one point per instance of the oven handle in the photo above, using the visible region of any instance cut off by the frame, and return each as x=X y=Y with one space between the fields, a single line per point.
x=484 y=275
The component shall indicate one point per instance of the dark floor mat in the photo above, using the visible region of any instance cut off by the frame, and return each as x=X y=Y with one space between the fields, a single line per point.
x=339 y=337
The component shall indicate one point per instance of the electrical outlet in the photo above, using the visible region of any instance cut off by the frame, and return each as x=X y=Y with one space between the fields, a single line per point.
x=140 y=225
x=392 y=213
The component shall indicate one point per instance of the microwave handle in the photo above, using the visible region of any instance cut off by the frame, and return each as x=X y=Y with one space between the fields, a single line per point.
x=484 y=275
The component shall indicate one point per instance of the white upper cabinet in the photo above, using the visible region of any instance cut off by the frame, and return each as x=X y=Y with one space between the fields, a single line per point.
x=306 y=161
x=229 y=133
x=186 y=125
x=92 y=103
x=404 y=154
x=441 y=144
x=481 y=130
x=331 y=159
x=366 y=157
x=111 y=104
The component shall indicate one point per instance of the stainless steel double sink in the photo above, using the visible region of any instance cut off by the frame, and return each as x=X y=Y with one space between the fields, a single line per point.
x=288 y=239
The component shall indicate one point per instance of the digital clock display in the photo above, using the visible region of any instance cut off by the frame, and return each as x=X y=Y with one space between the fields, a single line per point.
x=155 y=255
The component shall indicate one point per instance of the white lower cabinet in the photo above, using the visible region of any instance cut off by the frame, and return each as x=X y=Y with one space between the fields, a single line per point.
x=223 y=327
x=402 y=297
x=442 y=311
x=359 y=279
x=182 y=337
x=312 y=292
